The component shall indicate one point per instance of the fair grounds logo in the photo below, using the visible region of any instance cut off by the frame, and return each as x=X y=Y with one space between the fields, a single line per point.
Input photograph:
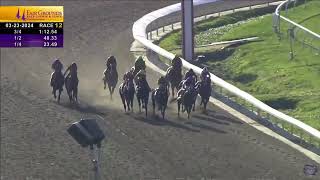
x=38 y=13
x=23 y=17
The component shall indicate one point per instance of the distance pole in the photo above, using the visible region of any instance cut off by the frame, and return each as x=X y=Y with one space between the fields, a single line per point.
x=187 y=26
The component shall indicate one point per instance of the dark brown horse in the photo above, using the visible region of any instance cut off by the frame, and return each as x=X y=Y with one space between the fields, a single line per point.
x=57 y=82
x=204 y=89
x=143 y=91
x=126 y=91
x=110 y=78
x=160 y=98
x=71 y=83
x=174 y=77
x=187 y=98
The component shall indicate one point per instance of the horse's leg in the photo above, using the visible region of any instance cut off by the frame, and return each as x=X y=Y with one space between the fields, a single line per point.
x=139 y=104
x=163 y=109
x=110 y=91
x=75 y=93
x=205 y=104
x=202 y=101
x=70 y=96
x=54 y=92
x=132 y=98
x=194 y=105
x=172 y=91
x=153 y=103
x=59 y=95
x=123 y=102
x=183 y=106
x=179 y=103
x=146 y=107
x=189 y=110
x=104 y=82
x=127 y=99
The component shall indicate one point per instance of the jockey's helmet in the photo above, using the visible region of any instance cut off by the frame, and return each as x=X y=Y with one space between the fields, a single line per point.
x=205 y=69
x=111 y=59
x=56 y=64
x=132 y=69
x=74 y=66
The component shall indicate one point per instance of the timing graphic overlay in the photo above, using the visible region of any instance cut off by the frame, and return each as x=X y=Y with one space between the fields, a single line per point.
x=31 y=26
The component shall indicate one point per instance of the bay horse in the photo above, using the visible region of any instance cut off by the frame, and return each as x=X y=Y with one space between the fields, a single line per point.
x=71 y=84
x=160 y=98
x=186 y=99
x=110 y=78
x=57 y=82
x=143 y=91
x=204 y=89
x=174 y=77
x=126 y=91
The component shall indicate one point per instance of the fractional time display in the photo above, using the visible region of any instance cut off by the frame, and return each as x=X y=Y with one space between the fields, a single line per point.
x=24 y=26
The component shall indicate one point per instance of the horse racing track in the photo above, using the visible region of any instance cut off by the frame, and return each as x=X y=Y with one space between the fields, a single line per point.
x=36 y=145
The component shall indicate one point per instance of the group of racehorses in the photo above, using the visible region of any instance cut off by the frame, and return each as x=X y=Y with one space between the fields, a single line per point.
x=70 y=81
x=186 y=95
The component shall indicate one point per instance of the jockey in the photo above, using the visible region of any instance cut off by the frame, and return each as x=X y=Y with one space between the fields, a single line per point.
x=190 y=73
x=139 y=64
x=141 y=75
x=189 y=82
x=111 y=60
x=176 y=63
x=163 y=83
x=128 y=76
x=204 y=73
x=57 y=67
x=190 y=76
x=72 y=69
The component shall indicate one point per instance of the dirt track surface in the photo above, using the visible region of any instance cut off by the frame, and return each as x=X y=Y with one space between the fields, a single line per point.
x=34 y=141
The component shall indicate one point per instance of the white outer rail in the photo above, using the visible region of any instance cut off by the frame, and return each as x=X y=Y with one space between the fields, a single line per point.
x=139 y=34
x=277 y=12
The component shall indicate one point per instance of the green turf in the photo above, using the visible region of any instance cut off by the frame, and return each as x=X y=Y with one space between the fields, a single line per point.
x=307 y=15
x=263 y=68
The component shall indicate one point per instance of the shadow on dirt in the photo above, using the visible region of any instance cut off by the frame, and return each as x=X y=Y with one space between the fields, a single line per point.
x=205 y=127
x=84 y=108
x=210 y=119
x=219 y=117
x=157 y=121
